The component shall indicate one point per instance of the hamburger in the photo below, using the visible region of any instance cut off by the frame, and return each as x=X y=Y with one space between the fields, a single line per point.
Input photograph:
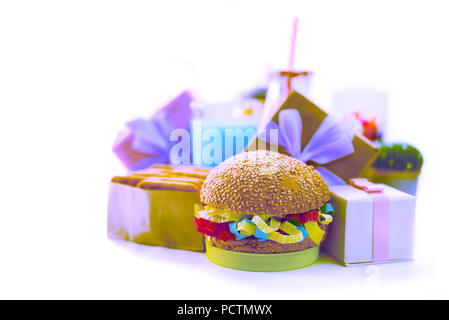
x=263 y=211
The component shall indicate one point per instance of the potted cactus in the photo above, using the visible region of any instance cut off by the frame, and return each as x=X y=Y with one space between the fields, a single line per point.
x=397 y=165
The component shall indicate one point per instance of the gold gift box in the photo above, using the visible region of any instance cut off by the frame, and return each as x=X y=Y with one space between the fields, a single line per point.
x=347 y=167
x=155 y=207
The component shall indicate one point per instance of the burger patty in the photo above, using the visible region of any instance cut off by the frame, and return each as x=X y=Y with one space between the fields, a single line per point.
x=252 y=245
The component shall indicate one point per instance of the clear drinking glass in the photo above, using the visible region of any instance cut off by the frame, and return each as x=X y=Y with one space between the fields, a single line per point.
x=280 y=85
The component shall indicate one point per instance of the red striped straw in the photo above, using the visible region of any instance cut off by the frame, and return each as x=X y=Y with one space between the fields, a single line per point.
x=293 y=43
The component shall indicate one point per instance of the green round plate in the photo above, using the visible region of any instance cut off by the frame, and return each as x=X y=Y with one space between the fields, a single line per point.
x=262 y=262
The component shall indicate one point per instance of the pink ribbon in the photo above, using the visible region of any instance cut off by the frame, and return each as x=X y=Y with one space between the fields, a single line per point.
x=381 y=217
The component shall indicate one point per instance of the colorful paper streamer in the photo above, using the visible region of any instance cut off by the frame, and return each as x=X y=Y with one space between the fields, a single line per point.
x=267 y=227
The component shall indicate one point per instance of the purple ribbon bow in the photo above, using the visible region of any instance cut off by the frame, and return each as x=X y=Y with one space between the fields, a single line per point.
x=329 y=142
x=152 y=137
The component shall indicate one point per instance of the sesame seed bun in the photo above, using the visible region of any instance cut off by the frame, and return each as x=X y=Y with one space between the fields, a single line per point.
x=264 y=182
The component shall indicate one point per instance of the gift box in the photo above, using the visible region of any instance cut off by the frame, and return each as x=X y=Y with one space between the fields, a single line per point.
x=301 y=129
x=148 y=141
x=373 y=223
x=156 y=207
x=402 y=180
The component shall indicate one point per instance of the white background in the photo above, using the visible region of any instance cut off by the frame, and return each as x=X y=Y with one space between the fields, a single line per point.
x=72 y=72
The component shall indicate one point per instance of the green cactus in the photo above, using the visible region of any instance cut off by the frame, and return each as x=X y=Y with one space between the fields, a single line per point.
x=398 y=157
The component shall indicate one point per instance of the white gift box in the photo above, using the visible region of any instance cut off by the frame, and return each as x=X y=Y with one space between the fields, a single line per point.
x=363 y=233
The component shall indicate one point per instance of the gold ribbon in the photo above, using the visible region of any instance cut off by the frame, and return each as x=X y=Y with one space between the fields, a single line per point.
x=217 y=215
x=314 y=231
x=246 y=228
x=225 y=214
x=284 y=239
x=262 y=225
x=205 y=215
x=289 y=228
x=326 y=218
x=294 y=235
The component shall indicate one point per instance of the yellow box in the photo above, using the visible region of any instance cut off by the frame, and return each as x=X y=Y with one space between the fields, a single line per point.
x=156 y=207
